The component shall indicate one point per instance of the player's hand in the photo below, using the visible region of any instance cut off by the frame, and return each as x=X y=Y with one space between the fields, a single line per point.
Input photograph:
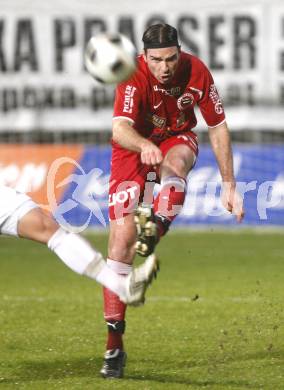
x=151 y=154
x=232 y=201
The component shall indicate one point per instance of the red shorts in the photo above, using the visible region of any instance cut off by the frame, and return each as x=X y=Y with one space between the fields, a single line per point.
x=132 y=182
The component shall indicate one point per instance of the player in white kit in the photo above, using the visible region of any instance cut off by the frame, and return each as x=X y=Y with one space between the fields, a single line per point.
x=21 y=217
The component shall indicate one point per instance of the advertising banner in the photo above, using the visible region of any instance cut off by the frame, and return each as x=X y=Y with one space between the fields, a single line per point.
x=44 y=85
x=72 y=183
x=26 y=168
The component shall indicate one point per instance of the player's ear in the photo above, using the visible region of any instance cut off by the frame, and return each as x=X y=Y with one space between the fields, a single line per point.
x=145 y=55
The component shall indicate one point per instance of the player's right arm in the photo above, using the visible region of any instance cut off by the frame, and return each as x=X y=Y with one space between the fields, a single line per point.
x=129 y=99
x=127 y=137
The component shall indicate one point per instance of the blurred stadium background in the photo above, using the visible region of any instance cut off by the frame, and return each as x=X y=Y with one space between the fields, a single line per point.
x=50 y=107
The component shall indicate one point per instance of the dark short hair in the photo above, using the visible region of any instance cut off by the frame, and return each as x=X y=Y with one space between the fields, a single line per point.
x=159 y=36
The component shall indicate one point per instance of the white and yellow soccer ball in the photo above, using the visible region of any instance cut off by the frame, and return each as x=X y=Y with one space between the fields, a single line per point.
x=110 y=58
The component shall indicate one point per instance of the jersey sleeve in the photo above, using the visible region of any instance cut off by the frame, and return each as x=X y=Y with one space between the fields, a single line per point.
x=210 y=104
x=127 y=100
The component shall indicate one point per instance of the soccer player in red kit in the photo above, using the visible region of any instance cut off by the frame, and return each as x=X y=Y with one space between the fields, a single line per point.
x=153 y=141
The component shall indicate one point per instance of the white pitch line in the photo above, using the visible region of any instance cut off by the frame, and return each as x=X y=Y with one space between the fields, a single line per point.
x=204 y=299
x=24 y=298
x=252 y=299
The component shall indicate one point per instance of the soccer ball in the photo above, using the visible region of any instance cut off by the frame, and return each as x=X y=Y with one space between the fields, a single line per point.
x=110 y=58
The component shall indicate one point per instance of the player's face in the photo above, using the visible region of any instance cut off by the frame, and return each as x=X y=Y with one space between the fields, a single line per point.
x=163 y=62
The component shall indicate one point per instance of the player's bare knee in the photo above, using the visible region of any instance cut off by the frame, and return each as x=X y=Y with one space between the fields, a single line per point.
x=176 y=167
x=46 y=227
x=180 y=166
x=50 y=226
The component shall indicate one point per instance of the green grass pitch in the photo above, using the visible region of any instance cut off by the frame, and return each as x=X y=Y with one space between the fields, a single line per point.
x=214 y=319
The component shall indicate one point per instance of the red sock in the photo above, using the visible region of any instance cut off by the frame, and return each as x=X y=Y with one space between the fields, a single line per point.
x=169 y=202
x=114 y=314
x=114 y=309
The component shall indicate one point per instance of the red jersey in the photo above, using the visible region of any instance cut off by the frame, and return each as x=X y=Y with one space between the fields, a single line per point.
x=158 y=111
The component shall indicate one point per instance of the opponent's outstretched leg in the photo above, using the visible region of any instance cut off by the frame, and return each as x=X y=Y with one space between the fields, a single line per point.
x=29 y=221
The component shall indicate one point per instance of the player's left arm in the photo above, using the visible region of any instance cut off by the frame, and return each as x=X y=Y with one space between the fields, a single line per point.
x=221 y=145
x=212 y=110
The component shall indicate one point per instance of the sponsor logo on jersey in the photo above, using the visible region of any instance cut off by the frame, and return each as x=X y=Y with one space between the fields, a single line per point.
x=157 y=120
x=174 y=91
x=214 y=96
x=185 y=100
x=128 y=99
x=157 y=105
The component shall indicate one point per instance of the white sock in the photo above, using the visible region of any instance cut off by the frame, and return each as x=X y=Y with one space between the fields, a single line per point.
x=119 y=267
x=111 y=280
x=75 y=251
x=82 y=258
x=111 y=276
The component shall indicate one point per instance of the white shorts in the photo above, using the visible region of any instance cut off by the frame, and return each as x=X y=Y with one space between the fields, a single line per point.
x=13 y=206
